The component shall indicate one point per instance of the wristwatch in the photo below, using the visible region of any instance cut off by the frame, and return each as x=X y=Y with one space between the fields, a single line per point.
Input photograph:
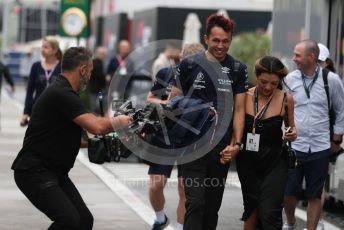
x=240 y=145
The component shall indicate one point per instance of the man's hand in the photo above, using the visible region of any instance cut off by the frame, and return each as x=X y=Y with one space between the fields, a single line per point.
x=229 y=153
x=336 y=142
x=122 y=121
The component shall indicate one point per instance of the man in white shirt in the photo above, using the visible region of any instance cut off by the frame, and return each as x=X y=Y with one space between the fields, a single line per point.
x=313 y=143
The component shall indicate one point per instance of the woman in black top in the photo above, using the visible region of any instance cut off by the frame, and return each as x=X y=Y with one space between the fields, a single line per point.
x=42 y=74
x=261 y=168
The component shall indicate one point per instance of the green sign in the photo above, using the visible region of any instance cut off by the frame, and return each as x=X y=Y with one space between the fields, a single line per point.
x=75 y=20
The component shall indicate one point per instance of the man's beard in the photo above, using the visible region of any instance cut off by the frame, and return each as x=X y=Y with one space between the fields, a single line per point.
x=83 y=83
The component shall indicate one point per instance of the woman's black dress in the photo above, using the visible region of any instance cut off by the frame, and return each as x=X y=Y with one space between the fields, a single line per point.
x=263 y=174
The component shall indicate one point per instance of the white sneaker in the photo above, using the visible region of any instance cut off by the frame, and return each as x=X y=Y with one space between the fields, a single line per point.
x=287 y=226
x=321 y=225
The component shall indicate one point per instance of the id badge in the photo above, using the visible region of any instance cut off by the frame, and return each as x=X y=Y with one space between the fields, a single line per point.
x=252 y=142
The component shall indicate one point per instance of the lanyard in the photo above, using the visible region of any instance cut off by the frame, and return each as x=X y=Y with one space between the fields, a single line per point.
x=258 y=115
x=309 y=87
x=48 y=74
x=121 y=62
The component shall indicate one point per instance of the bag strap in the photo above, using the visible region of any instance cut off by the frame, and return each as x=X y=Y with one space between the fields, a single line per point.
x=236 y=66
x=331 y=113
x=286 y=117
x=190 y=66
x=327 y=90
x=285 y=103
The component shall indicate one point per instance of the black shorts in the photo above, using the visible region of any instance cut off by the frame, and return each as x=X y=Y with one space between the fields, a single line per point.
x=166 y=170
x=313 y=169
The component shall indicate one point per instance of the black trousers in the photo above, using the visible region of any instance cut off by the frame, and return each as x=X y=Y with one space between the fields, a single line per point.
x=204 y=182
x=55 y=195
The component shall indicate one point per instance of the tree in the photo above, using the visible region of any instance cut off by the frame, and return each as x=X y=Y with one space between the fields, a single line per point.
x=248 y=47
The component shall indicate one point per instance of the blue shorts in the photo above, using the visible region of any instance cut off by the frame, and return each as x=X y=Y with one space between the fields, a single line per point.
x=311 y=166
x=166 y=170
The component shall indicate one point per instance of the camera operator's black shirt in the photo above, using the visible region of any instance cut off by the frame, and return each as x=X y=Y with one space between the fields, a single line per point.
x=214 y=82
x=52 y=139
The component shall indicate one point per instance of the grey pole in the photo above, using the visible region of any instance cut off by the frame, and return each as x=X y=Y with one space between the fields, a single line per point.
x=5 y=16
x=44 y=20
x=308 y=19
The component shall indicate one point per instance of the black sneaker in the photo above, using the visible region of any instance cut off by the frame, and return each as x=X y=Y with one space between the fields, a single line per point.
x=159 y=226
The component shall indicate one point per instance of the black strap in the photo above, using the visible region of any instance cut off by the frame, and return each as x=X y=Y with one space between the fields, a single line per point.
x=236 y=66
x=261 y=114
x=325 y=79
x=190 y=65
x=103 y=137
x=331 y=113
x=286 y=116
x=100 y=98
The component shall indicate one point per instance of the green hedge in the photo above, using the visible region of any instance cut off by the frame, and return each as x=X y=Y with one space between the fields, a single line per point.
x=248 y=47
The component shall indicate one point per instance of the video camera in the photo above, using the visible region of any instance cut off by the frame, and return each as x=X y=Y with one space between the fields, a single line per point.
x=110 y=147
x=144 y=120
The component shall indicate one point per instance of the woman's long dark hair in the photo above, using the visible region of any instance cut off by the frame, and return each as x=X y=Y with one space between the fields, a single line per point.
x=271 y=65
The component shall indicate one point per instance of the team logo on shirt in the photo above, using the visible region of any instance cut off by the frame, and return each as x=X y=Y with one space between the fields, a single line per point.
x=225 y=69
x=224 y=81
x=199 y=82
x=199 y=77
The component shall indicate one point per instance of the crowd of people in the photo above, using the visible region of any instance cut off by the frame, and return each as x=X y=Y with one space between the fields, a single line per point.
x=281 y=107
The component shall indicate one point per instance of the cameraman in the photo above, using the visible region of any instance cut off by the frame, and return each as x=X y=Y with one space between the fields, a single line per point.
x=160 y=173
x=52 y=142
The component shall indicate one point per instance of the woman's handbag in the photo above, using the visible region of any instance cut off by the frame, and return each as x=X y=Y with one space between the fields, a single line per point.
x=287 y=150
x=289 y=154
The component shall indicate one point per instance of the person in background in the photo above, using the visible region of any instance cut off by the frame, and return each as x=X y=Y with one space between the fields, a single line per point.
x=324 y=61
x=312 y=145
x=42 y=74
x=166 y=59
x=210 y=77
x=263 y=170
x=120 y=64
x=159 y=174
x=97 y=81
x=4 y=72
x=52 y=142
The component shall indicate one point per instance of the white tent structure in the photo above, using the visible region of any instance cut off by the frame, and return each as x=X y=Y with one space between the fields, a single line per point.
x=192 y=28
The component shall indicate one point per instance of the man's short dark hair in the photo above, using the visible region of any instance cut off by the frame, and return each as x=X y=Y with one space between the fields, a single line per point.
x=219 y=20
x=311 y=46
x=75 y=56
